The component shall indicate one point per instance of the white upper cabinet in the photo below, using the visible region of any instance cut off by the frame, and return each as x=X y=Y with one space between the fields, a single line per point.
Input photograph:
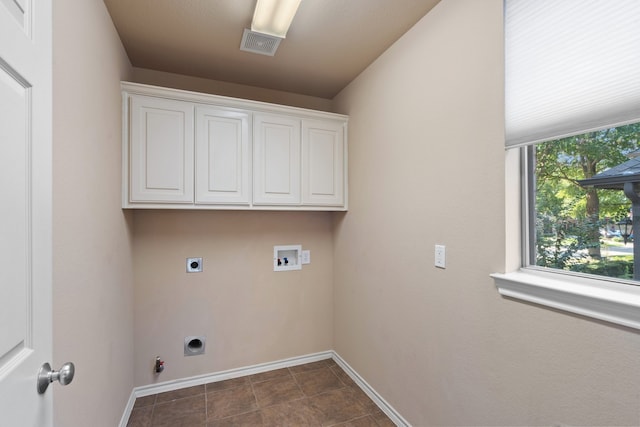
x=187 y=150
x=222 y=156
x=323 y=162
x=161 y=150
x=276 y=148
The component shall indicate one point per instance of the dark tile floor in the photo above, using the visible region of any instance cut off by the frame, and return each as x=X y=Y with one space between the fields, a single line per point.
x=315 y=394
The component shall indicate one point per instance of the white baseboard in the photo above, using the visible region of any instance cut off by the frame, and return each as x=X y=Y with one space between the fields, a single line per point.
x=163 y=387
x=369 y=391
x=127 y=410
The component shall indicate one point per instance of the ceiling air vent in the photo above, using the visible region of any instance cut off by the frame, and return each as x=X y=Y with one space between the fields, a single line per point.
x=263 y=44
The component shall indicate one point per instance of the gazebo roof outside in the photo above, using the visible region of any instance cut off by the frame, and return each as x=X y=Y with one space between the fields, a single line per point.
x=615 y=177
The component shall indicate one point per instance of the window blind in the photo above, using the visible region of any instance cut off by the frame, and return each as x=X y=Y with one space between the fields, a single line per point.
x=571 y=66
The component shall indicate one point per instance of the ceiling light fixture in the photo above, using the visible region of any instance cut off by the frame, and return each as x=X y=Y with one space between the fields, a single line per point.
x=273 y=17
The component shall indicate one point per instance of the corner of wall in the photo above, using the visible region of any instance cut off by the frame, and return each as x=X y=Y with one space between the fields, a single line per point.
x=92 y=236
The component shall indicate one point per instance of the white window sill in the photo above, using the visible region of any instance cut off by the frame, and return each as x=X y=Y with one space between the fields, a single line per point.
x=600 y=299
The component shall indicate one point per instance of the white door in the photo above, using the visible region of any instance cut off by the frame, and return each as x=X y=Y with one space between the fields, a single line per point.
x=276 y=145
x=25 y=209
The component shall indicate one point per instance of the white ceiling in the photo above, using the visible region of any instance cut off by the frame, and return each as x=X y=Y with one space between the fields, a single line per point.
x=329 y=43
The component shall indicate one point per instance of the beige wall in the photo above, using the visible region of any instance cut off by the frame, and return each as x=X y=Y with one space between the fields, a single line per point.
x=426 y=167
x=216 y=87
x=92 y=267
x=249 y=313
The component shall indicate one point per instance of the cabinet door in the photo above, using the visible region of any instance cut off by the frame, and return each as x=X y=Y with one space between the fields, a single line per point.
x=222 y=156
x=161 y=150
x=323 y=162
x=276 y=144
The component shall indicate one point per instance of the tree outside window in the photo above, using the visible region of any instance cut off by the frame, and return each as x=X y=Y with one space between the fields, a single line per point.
x=575 y=226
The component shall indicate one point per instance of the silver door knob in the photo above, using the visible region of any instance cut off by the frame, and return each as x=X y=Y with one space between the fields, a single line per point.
x=46 y=376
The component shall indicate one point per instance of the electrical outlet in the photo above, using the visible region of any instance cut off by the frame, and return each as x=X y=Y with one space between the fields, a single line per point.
x=440 y=256
x=194 y=265
x=306 y=257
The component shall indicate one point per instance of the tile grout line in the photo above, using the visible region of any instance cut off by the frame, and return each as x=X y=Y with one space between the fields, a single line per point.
x=253 y=392
x=206 y=405
x=153 y=410
x=295 y=380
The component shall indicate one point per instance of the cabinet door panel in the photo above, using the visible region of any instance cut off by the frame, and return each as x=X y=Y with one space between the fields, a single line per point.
x=323 y=163
x=222 y=157
x=161 y=150
x=277 y=160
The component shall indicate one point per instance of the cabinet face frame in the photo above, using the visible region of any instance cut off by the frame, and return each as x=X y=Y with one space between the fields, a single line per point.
x=222 y=156
x=298 y=202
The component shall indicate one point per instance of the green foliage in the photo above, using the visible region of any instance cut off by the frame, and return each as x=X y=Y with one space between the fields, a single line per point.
x=561 y=163
x=564 y=244
x=582 y=156
x=621 y=267
x=568 y=216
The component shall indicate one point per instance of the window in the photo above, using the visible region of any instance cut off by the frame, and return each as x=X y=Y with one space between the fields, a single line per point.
x=571 y=77
x=580 y=217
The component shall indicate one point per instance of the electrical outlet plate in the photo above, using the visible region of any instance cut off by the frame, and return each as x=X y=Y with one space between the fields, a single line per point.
x=440 y=256
x=194 y=265
x=306 y=257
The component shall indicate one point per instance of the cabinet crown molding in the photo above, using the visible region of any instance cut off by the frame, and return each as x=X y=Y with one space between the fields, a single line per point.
x=230 y=102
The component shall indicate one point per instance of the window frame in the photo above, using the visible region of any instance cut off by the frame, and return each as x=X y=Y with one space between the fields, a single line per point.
x=603 y=298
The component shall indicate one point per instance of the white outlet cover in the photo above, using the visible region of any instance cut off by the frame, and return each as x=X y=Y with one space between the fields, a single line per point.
x=306 y=257
x=440 y=260
x=194 y=265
